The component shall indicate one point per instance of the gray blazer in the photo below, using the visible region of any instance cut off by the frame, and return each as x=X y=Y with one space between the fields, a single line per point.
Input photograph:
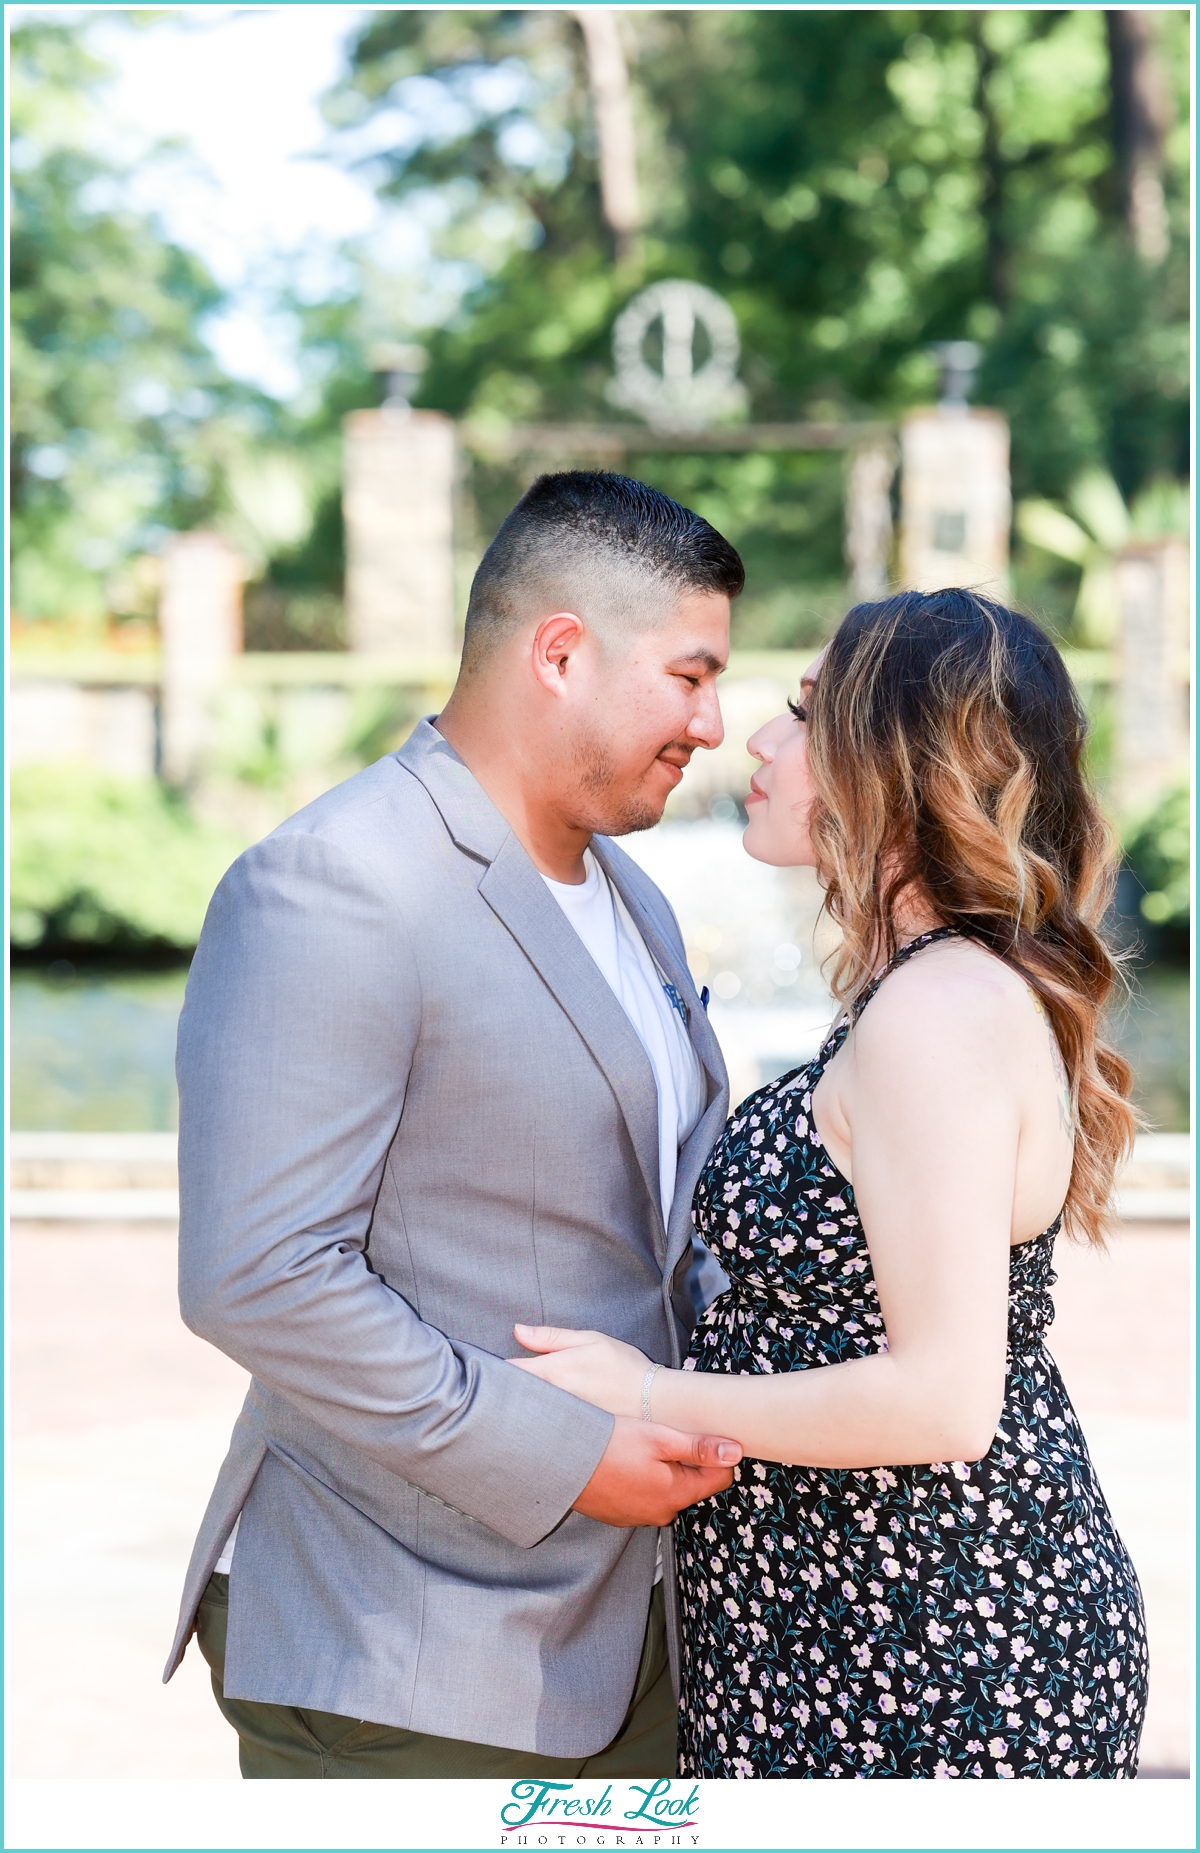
x=411 y=1113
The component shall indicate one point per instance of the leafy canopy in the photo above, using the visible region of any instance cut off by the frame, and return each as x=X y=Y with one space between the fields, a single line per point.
x=123 y=427
x=858 y=185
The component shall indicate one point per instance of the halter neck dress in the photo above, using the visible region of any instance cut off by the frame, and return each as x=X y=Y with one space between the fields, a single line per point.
x=976 y=1619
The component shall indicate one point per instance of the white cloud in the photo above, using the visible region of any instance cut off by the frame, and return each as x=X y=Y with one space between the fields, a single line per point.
x=253 y=183
x=243 y=89
x=262 y=188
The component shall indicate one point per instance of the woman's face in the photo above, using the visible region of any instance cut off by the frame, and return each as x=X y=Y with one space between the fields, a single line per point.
x=780 y=796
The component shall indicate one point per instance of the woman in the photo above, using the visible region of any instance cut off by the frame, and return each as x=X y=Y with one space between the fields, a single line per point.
x=914 y=1573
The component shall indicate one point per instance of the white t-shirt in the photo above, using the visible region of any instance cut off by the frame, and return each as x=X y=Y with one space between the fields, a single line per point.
x=604 y=924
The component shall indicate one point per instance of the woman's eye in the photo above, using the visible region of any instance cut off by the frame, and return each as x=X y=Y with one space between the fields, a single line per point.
x=800 y=713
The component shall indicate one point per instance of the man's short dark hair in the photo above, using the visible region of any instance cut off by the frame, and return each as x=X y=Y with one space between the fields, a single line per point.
x=594 y=539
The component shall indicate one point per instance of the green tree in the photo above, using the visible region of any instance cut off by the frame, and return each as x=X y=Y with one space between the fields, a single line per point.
x=1158 y=852
x=102 y=861
x=122 y=424
x=859 y=185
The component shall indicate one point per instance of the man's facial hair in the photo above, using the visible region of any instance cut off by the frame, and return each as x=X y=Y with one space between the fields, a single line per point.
x=599 y=809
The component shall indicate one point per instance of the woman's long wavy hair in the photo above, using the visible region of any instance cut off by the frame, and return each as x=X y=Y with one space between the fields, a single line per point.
x=945 y=742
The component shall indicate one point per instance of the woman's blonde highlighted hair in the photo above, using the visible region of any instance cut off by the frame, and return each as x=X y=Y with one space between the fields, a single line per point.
x=945 y=742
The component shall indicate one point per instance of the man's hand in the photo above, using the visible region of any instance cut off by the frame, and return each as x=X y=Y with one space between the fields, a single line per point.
x=648 y=1473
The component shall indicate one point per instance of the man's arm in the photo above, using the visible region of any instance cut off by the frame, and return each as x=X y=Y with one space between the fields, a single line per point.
x=295 y=1045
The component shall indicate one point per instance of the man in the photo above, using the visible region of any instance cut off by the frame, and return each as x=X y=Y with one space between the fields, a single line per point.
x=442 y=1070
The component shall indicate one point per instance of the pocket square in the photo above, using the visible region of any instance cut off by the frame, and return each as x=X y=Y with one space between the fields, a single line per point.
x=676 y=1001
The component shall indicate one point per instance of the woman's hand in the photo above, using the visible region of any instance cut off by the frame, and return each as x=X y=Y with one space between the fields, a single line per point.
x=598 y=1370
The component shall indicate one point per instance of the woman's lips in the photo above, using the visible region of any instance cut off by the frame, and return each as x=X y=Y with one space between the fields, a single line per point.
x=755 y=795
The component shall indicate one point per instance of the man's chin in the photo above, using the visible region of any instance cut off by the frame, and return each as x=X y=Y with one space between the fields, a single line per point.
x=645 y=807
x=634 y=820
x=610 y=814
x=640 y=811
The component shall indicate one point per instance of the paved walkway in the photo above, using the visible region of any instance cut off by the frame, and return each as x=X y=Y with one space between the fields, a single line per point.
x=120 y=1418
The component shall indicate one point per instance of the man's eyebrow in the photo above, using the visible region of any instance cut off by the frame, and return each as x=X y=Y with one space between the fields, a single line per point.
x=714 y=663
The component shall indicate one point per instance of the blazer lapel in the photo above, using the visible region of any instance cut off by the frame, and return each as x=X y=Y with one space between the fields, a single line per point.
x=692 y=1160
x=515 y=892
x=640 y=896
x=624 y=874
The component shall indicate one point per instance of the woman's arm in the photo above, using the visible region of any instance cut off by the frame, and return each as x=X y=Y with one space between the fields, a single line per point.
x=931 y=1092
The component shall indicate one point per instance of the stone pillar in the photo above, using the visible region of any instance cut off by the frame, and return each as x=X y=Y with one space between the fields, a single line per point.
x=955 y=500
x=869 y=520
x=400 y=471
x=1154 y=585
x=200 y=628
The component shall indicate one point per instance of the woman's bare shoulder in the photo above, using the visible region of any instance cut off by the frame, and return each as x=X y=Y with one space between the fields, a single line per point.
x=956 y=993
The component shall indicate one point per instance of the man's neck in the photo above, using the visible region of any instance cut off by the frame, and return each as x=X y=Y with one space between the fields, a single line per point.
x=553 y=845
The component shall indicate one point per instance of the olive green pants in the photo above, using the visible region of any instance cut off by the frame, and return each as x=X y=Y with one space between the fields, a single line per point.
x=287 y=1743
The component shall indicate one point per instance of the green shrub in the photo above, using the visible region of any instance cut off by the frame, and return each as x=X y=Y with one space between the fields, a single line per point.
x=1158 y=851
x=110 y=862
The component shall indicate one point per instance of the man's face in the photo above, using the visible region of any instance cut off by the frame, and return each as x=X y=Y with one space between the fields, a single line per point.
x=640 y=707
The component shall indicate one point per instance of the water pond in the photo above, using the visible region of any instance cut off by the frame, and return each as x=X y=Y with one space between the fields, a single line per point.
x=95 y=1051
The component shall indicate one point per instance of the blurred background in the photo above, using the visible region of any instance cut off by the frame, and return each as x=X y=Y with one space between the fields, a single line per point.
x=302 y=299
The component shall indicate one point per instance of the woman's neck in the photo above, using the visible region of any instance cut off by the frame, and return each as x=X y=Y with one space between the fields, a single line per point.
x=911 y=916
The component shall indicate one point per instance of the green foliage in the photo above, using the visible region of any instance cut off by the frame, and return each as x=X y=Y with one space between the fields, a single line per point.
x=1158 y=850
x=381 y=720
x=109 y=862
x=1090 y=537
x=123 y=426
x=858 y=185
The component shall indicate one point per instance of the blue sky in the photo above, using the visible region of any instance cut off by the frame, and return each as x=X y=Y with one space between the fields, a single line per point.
x=254 y=190
x=242 y=86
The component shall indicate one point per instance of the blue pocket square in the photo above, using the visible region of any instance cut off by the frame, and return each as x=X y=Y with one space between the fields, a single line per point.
x=704 y=998
x=676 y=1001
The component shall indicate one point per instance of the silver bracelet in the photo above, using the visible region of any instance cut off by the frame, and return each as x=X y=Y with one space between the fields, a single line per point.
x=647 y=1380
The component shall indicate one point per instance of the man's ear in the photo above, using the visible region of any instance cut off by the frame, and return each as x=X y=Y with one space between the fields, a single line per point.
x=554 y=642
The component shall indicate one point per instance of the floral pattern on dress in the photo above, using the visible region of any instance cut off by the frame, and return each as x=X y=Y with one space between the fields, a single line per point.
x=976 y=1619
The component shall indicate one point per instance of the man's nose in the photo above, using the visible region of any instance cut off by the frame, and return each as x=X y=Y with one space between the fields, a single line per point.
x=706 y=727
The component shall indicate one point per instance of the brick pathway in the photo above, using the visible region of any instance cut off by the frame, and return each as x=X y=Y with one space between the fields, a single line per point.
x=120 y=1418
x=1122 y=1339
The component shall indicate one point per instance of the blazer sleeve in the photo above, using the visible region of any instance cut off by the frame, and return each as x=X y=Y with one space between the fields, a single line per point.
x=296 y=1042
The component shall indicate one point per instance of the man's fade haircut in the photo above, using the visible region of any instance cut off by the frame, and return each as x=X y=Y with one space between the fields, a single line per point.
x=592 y=539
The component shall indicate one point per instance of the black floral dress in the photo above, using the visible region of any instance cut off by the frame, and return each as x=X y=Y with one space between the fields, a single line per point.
x=956 y=1619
